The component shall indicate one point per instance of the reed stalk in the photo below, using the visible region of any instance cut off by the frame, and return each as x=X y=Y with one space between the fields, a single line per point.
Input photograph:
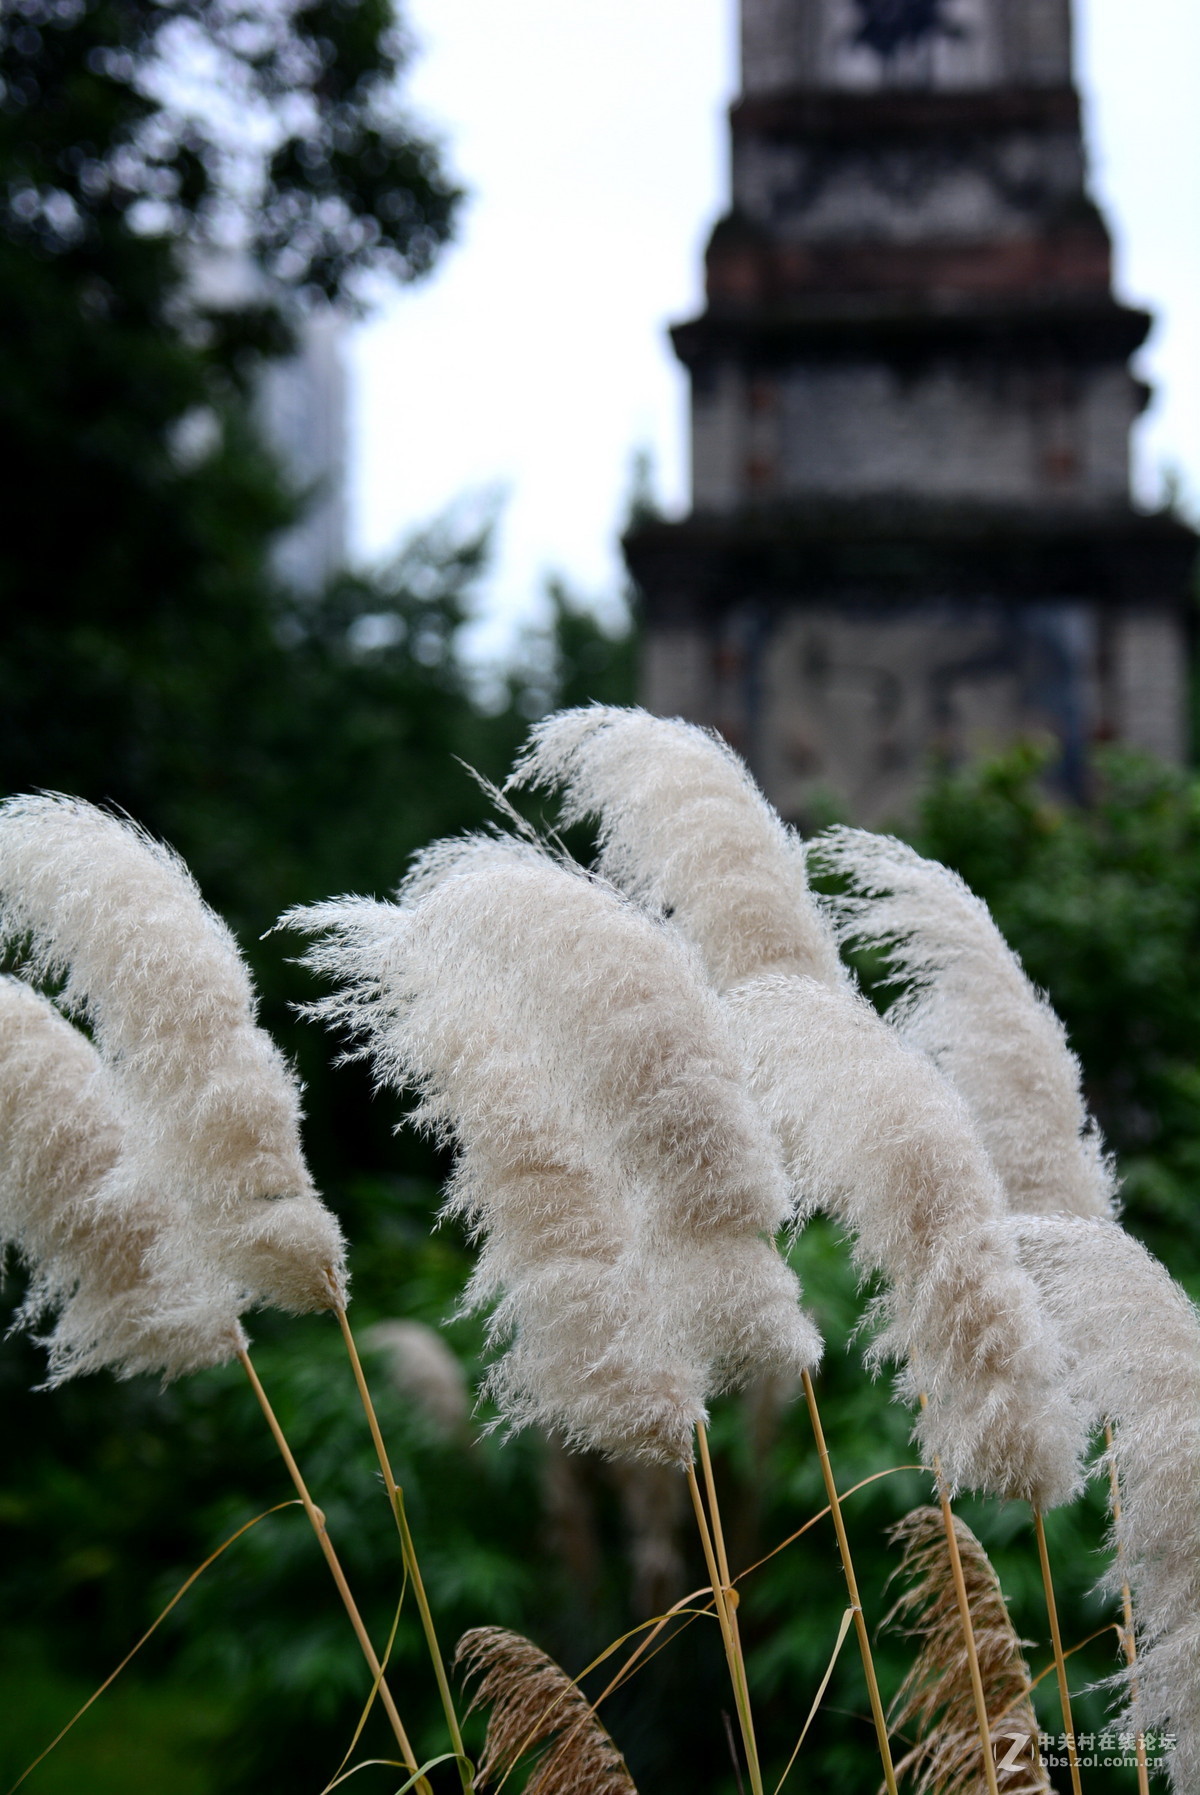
x=964 y=1609
x=408 y=1549
x=317 y=1522
x=968 y=1627
x=1128 y=1637
x=730 y=1593
x=860 y=1625
x=722 y=1590
x=1060 y=1663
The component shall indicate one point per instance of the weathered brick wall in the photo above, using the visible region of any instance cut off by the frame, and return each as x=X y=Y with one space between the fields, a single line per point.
x=796 y=43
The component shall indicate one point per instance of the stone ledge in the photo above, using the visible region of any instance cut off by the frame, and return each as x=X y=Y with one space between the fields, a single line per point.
x=798 y=114
x=888 y=551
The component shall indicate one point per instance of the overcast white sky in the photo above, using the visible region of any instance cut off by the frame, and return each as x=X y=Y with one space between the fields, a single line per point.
x=592 y=137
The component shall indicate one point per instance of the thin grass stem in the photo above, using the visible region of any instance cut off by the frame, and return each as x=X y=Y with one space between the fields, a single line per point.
x=714 y=1512
x=370 y=1701
x=814 y=1519
x=1128 y=1637
x=733 y=1755
x=818 y=1697
x=1060 y=1664
x=972 y=1650
x=1108 y=1627
x=651 y=1630
x=860 y=1625
x=317 y=1522
x=968 y=1625
x=680 y=1608
x=408 y=1549
x=155 y=1624
x=417 y=1776
x=740 y=1694
x=728 y=1591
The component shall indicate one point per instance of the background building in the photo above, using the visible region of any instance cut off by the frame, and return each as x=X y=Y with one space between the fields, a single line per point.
x=912 y=534
x=302 y=402
x=301 y=407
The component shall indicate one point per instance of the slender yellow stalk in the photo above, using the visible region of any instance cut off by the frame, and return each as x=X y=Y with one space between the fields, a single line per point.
x=1128 y=1637
x=860 y=1625
x=317 y=1521
x=728 y=1591
x=964 y=1609
x=1060 y=1664
x=409 y=1550
x=720 y=1593
x=715 y=1512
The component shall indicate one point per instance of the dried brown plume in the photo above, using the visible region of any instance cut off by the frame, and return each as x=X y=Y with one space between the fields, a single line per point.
x=935 y=1701
x=534 y=1703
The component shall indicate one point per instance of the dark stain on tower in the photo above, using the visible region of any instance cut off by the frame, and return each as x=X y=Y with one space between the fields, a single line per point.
x=912 y=538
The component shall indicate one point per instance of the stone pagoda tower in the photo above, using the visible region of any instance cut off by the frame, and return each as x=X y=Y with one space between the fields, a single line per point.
x=912 y=536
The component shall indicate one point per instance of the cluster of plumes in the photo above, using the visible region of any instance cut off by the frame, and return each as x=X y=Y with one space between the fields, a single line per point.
x=1134 y=1339
x=609 y=1157
x=870 y=1130
x=536 y=1707
x=624 y=1066
x=873 y=1134
x=936 y=1701
x=966 y=1002
x=193 y=1201
x=1131 y=1335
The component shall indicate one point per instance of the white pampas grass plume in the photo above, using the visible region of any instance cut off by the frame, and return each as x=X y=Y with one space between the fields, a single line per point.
x=108 y=1263
x=683 y=827
x=609 y=1153
x=936 y=1700
x=971 y=1008
x=424 y=1371
x=554 y=1228
x=1133 y=1340
x=209 y=1110
x=59 y=1131
x=872 y=1133
x=535 y=1706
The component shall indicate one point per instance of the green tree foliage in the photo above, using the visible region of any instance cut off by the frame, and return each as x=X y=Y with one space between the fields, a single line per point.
x=293 y=748
x=137 y=143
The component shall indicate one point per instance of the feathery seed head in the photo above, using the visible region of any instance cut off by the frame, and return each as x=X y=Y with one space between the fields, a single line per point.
x=871 y=1132
x=610 y=1157
x=116 y=912
x=936 y=1699
x=683 y=827
x=209 y=1111
x=1133 y=1343
x=971 y=1008
x=105 y=1251
x=534 y=1704
x=59 y=1130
